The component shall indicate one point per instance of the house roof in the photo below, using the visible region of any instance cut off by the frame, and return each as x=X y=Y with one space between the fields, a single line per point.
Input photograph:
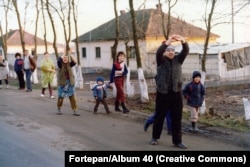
x=149 y=24
x=14 y=39
x=213 y=48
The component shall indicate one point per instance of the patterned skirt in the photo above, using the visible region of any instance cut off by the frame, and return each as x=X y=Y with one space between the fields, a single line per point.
x=66 y=90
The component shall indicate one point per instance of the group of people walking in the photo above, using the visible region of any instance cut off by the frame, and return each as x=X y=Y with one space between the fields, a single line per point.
x=169 y=90
x=66 y=79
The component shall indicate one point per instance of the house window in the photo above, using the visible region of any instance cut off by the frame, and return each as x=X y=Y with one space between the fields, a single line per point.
x=84 y=55
x=97 y=52
x=132 y=52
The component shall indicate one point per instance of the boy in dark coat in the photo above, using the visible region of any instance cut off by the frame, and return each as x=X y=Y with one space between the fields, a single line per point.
x=194 y=92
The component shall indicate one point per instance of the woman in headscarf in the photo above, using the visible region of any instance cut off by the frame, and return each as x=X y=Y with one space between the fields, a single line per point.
x=66 y=81
x=47 y=75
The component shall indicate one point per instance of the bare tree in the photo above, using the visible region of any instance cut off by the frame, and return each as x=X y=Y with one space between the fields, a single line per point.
x=44 y=27
x=166 y=30
x=19 y=24
x=208 y=26
x=114 y=48
x=76 y=31
x=141 y=78
x=64 y=18
x=4 y=38
x=36 y=25
x=53 y=27
x=78 y=71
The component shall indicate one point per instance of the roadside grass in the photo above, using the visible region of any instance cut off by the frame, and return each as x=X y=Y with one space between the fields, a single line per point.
x=230 y=122
x=216 y=120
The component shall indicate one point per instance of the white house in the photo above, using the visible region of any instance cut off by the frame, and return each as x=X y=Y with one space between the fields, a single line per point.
x=14 y=46
x=95 y=45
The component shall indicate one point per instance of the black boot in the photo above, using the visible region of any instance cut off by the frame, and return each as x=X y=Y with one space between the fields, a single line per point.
x=194 y=126
x=124 y=108
x=117 y=106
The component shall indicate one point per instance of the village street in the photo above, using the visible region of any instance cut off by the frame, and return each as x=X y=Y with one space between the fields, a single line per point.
x=31 y=132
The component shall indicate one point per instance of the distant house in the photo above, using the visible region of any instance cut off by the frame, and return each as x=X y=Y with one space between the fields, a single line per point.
x=224 y=61
x=14 y=45
x=95 y=45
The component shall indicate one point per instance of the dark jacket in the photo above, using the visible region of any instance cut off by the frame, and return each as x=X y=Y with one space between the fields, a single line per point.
x=18 y=66
x=62 y=70
x=169 y=72
x=194 y=93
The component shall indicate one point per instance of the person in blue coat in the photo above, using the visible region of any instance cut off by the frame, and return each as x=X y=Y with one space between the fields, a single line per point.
x=194 y=93
x=100 y=94
x=150 y=120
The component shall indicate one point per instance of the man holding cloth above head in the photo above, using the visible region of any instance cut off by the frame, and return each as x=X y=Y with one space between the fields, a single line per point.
x=169 y=89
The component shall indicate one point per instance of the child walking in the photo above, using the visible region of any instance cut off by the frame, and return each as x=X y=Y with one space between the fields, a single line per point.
x=118 y=74
x=100 y=94
x=194 y=93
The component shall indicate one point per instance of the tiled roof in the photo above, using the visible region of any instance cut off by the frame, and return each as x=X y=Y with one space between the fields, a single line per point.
x=148 y=25
x=14 y=39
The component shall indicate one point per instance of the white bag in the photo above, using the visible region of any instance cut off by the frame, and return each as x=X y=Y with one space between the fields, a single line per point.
x=247 y=108
x=203 y=108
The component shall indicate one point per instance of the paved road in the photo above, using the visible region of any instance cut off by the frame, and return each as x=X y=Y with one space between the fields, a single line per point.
x=31 y=133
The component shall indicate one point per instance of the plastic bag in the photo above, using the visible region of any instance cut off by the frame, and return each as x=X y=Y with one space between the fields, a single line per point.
x=246 y=108
x=203 y=108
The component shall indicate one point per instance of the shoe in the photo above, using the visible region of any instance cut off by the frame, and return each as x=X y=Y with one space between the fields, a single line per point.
x=29 y=90
x=153 y=141
x=180 y=145
x=76 y=113
x=7 y=86
x=117 y=109
x=42 y=95
x=52 y=97
x=146 y=125
x=0 y=86
x=59 y=111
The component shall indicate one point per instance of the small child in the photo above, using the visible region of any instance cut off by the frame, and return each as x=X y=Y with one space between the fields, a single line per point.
x=100 y=94
x=194 y=92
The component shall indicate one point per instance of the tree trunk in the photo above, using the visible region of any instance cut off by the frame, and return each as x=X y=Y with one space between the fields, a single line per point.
x=141 y=78
x=44 y=26
x=19 y=24
x=53 y=28
x=114 y=48
x=79 y=79
x=208 y=25
x=34 y=74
